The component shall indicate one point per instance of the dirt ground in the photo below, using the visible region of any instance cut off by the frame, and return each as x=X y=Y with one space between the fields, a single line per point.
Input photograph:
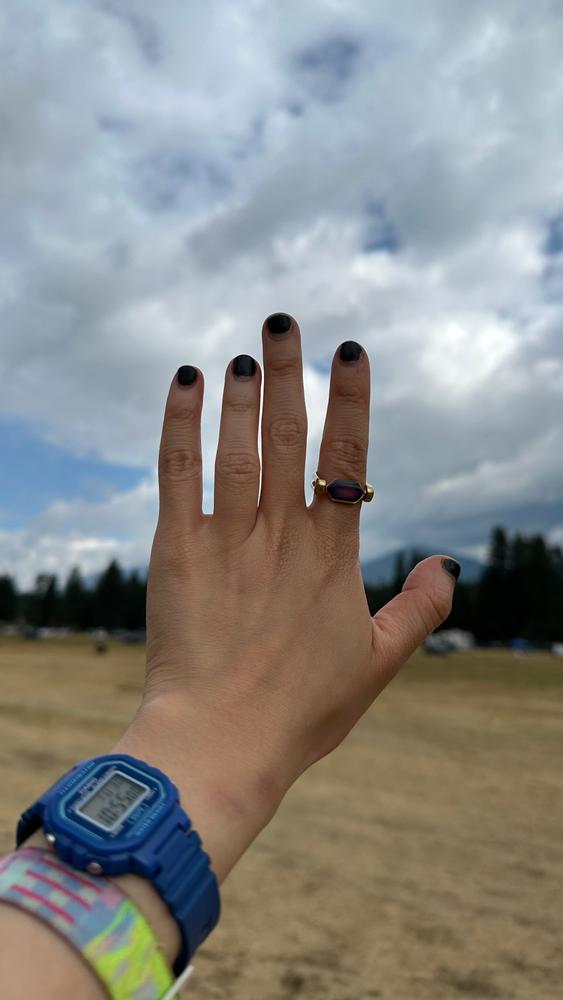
x=421 y=861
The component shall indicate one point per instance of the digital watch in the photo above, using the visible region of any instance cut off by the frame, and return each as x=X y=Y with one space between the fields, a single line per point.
x=115 y=814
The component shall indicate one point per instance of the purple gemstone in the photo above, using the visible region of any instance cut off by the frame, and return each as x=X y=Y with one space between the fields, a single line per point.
x=345 y=490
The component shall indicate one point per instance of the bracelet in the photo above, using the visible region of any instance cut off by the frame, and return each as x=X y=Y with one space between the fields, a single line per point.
x=99 y=920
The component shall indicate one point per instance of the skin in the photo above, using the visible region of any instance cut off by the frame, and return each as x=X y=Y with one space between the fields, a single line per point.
x=261 y=650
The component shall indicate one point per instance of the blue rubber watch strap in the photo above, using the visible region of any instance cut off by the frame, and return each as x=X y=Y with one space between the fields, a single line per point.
x=185 y=882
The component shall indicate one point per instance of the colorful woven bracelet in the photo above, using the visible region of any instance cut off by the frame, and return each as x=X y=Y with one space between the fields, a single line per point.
x=95 y=917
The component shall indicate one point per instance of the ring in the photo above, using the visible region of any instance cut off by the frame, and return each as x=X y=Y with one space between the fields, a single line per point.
x=343 y=490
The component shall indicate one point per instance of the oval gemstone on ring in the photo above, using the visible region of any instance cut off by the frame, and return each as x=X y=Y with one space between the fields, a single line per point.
x=345 y=491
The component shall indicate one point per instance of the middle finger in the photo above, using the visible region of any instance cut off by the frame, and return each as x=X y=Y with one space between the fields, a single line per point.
x=284 y=417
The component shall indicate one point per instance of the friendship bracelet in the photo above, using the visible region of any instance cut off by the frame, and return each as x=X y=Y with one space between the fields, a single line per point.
x=100 y=922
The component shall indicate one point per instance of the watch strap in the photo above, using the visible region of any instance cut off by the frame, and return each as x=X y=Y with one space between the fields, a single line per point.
x=185 y=882
x=94 y=916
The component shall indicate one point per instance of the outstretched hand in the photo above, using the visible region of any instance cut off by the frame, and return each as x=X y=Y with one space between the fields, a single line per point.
x=261 y=650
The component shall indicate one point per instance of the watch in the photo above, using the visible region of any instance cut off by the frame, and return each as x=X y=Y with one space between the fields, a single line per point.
x=113 y=815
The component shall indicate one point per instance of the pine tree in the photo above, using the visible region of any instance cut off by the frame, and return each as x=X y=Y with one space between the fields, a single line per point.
x=75 y=601
x=110 y=597
x=8 y=599
x=399 y=573
x=493 y=605
x=135 y=601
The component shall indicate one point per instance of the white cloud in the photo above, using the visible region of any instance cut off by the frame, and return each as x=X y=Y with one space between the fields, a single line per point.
x=87 y=534
x=169 y=178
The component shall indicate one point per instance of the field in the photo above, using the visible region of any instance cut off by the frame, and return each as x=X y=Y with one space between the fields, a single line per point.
x=421 y=861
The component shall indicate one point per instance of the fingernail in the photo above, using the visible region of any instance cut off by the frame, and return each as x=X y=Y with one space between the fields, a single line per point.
x=452 y=567
x=350 y=351
x=187 y=375
x=243 y=364
x=278 y=323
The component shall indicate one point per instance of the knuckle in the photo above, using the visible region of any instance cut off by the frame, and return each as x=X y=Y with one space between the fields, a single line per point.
x=349 y=450
x=172 y=561
x=179 y=464
x=176 y=413
x=168 y=554
x=283 y=544
x=239 y=405
x=287 y=433
x=238 y=467
x=435 y=608
x=339 y=549
x=289 y=366
x=350 y=393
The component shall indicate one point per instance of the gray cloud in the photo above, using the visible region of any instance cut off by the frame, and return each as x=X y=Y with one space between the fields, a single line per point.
x=391 y=176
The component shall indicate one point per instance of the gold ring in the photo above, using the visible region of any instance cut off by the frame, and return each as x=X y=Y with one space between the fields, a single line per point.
x=343 y=490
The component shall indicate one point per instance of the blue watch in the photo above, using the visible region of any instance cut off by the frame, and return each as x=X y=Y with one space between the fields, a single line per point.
x=115 y=814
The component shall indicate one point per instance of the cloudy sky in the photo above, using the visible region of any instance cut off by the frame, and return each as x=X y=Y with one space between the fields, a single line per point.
x=171 y=173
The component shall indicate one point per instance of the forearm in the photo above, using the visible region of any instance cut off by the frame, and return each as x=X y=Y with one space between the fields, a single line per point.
x=227 y=805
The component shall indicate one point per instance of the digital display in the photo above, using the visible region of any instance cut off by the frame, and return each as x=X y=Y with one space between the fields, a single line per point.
x=113 y=800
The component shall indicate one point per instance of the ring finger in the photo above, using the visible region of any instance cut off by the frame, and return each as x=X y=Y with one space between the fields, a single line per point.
x=344 y=444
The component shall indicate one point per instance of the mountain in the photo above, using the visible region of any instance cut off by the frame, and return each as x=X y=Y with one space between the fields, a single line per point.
x=382 y=570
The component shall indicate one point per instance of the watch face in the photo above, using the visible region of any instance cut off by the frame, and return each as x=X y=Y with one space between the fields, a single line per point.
x=113 y=800
x=111 y=803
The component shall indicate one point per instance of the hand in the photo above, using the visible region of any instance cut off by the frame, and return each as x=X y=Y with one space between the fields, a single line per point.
x=261 y=650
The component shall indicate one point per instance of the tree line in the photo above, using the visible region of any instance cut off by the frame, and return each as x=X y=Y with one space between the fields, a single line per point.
x=115 y=600
x=519 y=595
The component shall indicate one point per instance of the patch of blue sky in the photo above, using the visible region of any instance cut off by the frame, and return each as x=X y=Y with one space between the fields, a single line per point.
x=329 y=65
x=322 y=365
x=554 y=237
x=552 y=281
x=380 y=234
x=41 y=473
x=252 y=141
x=115 y=124
x=166 y=181
x=144 y=31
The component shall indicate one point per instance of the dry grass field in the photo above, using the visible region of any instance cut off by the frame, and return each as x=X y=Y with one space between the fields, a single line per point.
x=422 y=860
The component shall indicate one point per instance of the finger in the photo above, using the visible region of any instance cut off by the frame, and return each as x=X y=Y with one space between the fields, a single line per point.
x=179 y=459
x=237 y=465
x=344 y=444
x=423 y=604
x=284 y=418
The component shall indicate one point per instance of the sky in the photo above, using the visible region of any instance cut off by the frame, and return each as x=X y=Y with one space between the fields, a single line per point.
x=172 y=173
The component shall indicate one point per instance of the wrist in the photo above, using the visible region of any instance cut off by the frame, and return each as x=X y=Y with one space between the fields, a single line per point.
x=145 y=897
x=227 y=799
x=228 y=796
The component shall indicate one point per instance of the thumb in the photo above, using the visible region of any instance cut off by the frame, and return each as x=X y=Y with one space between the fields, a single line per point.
x=424 y=603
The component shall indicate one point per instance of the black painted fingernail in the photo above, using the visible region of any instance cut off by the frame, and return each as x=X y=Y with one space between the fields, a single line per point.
x=452 y=567
x=350 y=351
x=187 y=375
x=243 y=364
x=278 y=323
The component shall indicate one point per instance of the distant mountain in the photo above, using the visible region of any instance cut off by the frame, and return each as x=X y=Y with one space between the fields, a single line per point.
x=380 y=571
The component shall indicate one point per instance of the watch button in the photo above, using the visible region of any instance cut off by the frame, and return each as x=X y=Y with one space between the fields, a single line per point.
x=94 y=867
